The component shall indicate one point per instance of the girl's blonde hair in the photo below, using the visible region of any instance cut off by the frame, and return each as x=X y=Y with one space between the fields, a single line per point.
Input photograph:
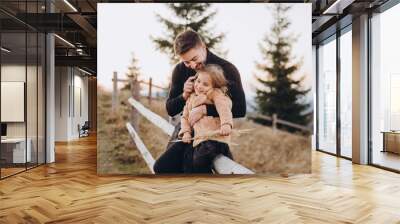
x=216 y=75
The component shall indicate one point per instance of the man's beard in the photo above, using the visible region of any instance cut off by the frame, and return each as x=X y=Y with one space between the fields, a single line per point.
x=199 y=66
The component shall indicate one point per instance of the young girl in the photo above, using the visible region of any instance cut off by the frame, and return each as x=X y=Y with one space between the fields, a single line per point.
x=210 y=87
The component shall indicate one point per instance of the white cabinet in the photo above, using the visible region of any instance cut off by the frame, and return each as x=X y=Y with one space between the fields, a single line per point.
x=17 y=146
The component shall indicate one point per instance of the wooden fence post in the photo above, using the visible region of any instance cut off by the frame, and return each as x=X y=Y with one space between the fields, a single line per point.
x=274 y=121
x=150 y=85
x=114 y=103
x=135 y=91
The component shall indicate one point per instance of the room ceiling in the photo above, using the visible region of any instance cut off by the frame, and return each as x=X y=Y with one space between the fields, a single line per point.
x=76 y=22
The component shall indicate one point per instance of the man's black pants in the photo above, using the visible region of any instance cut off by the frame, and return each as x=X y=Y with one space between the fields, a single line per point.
x=183 y=158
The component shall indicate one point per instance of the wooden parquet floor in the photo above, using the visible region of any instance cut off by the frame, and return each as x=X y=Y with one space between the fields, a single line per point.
x=69 y=191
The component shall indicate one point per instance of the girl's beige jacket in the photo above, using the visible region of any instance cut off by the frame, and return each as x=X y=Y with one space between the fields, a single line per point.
x=208 y=124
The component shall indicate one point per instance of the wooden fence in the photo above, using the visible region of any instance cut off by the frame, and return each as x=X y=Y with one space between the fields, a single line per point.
x=135 y=87
x=222 y=164
x=275 y=121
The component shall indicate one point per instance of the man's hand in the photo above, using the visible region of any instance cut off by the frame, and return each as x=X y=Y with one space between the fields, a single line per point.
x=186 y=137
x=196 y=114
x=188 y=87
x=226 y=130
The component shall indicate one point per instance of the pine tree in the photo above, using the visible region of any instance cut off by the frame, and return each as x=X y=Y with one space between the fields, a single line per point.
x=281 y=93
x=195 y=16
x=133 y=71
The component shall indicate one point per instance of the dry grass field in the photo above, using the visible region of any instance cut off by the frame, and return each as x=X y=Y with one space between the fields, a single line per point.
x=263 y=150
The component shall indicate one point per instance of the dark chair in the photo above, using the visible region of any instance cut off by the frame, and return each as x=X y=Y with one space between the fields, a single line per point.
x=84 y=130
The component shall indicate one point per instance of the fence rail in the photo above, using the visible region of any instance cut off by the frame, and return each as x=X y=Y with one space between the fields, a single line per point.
x=222 y=164
x=152 y=117
x=148 y=158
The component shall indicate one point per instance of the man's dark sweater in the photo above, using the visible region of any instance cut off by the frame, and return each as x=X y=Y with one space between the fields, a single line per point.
x=181 y=73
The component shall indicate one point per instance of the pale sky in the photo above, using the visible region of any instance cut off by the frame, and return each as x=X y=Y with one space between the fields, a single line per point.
x=124 y=28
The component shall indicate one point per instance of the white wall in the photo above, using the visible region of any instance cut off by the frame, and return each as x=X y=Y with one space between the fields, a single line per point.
x=71 y=87
x=62 y=81
x=80 y=83
x=12 y=73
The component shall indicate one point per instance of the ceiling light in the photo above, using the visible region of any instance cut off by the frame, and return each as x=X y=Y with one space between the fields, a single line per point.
x=5 y=50
x=86 y=72
x=70 y=5
x=64 y=40
x=337 y=7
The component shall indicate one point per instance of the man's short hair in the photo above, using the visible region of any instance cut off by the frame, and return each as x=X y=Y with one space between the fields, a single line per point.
x=186 y=41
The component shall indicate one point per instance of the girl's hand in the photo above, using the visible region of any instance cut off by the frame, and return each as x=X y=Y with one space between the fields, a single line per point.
x=199 y=100
x=226 y=130
x=196 y=114
x=186 y=138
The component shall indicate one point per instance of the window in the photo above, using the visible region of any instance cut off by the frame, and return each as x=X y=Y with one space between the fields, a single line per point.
x=385 y=89
x=346 y=93
x=22 y=76
x=327 y=96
